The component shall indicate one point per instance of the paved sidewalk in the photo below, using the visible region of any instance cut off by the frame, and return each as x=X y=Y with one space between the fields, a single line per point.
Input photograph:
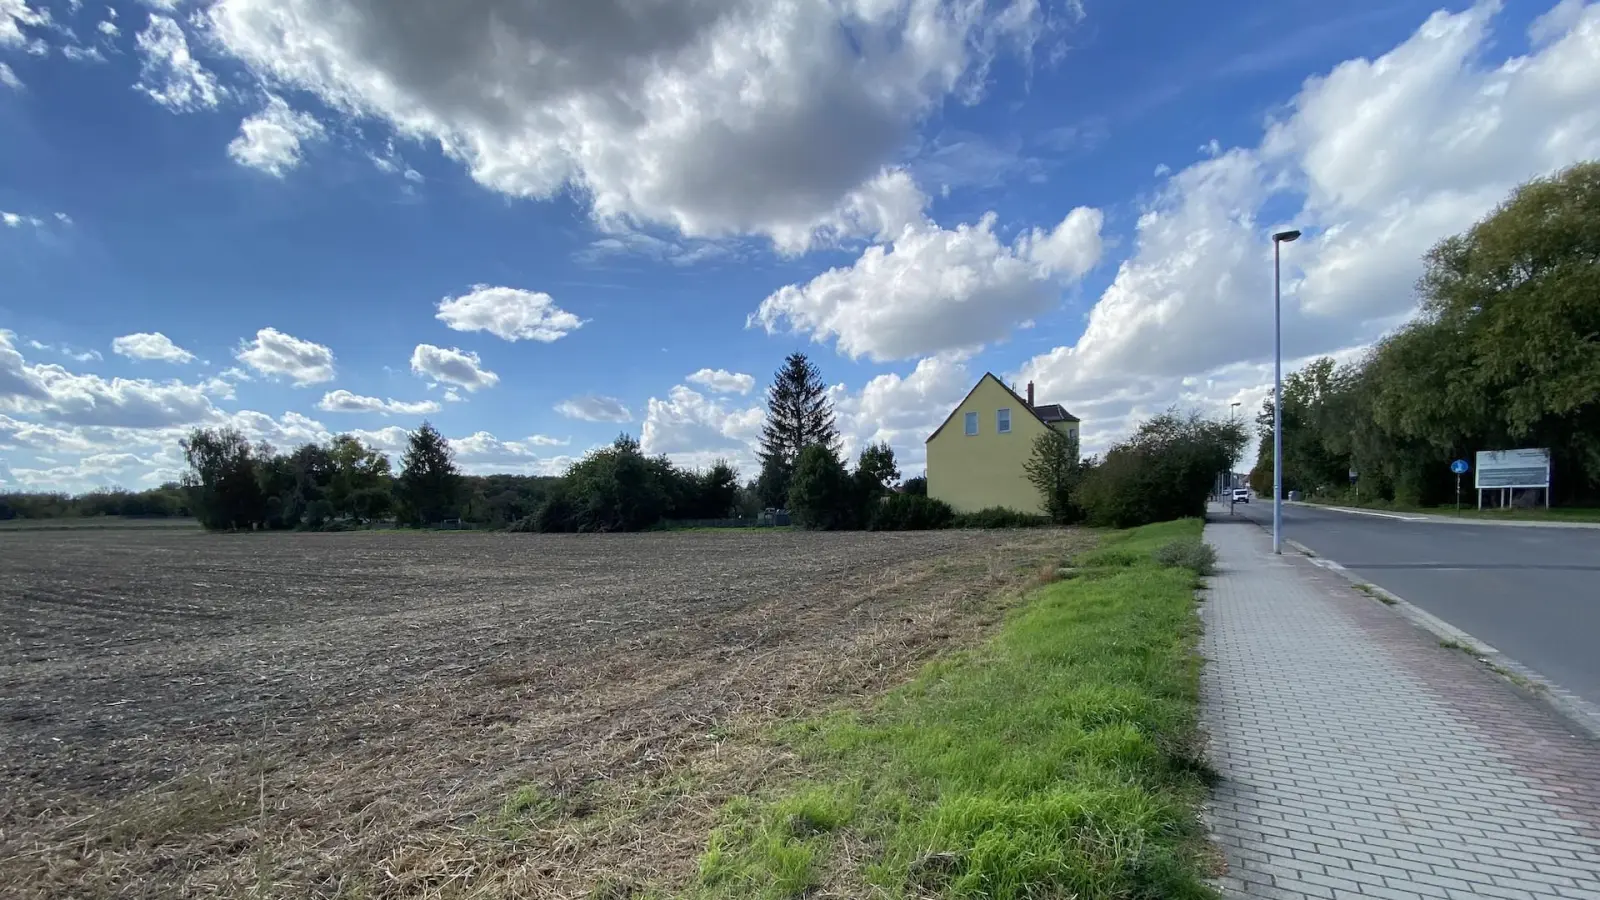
x=1358 y=758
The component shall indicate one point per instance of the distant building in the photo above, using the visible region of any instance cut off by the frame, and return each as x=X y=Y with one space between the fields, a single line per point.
x=975 y=458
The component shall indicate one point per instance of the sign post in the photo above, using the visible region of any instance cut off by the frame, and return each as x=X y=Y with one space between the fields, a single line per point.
x=1356 y=486
x=1460 y=468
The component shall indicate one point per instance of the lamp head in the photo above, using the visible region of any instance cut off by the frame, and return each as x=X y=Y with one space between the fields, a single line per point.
x=1286 y=236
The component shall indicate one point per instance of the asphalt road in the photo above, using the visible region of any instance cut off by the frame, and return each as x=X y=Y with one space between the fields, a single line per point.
x=1531 y=593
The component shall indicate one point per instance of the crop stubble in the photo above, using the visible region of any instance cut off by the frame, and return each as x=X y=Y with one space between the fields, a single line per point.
x=345 y=715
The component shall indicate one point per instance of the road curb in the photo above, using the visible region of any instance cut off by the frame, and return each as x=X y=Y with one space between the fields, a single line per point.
x=1570 y=706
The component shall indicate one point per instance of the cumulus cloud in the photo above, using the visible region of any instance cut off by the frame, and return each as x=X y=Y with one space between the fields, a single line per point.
x=482 y=453
x=693 y=429
x=1384 y=157
x=703 y=116
x=16 y=15
x=53 y=392
x=276 y=354
x=508 y=313
x=270 y=140
x=902 y=410
x=452 y=366
x=168 y=74
x=722 y=381
x=344 y=401
x=933 y=290
x=594 y=408
x=150 y=345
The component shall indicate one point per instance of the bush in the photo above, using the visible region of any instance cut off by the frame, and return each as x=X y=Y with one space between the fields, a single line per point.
x=1165 y=471
x=556 y=515
x=1188 y=553
x=917 y=486
x=822 y=495
x=1000 y=517
x=911 y=512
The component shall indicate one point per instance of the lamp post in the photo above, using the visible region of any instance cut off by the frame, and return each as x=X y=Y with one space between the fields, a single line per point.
x=1278 y=240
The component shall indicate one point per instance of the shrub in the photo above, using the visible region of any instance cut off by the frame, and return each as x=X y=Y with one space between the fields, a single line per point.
x=1000 y=517
x=1164 y=471
x=911 y=512
x=557 y=514
x=1188 y=553
x=823 y=495
x=917 y=486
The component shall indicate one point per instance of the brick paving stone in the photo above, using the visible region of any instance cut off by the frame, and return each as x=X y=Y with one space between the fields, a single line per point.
x=1358 y=756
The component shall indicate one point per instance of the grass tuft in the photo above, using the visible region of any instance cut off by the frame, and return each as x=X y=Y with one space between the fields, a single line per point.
x=1188 y=553
x=1062 y=759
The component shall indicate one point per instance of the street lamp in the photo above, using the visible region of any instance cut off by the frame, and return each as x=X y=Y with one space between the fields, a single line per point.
x=1278 y=240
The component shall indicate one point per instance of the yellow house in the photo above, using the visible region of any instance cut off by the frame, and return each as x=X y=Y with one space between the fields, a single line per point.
x=975 y=458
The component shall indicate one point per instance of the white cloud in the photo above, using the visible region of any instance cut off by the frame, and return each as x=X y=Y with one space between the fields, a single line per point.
x=270 y=140
x=108 y=28
x=452 y=366
x=722 y=381
x=902 y=410
x=82 y=54
x=16 y=15
x=390 y=163
x=693 y=429
x=392 y=440
x=150 y=345
x=935 y=290
x=508 y=313
x=626 y=242
x=1384 y=157
x=62 y=396
x=10 y=80
x=286 y=431
x=17 y=220
x=594 y=408
x=274 y=354
x=168 y=74
x=711 y=118
x=344 y=401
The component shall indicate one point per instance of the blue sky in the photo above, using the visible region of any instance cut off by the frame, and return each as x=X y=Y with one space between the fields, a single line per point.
x=535 y=228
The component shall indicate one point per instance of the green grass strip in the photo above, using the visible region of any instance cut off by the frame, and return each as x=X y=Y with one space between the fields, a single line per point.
x=1059 y=760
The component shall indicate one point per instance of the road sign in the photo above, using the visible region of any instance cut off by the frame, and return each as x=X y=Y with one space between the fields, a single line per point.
x=1459 y=467
x=1513 y=469
x=1352 y=476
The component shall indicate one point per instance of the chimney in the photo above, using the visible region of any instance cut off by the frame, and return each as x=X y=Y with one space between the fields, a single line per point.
x=1030 y=395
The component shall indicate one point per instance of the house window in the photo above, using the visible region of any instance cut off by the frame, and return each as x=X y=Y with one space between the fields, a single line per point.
x=972 y=423
x=1002 y=421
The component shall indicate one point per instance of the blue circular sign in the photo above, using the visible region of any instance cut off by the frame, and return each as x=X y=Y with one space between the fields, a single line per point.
x=1459 y=467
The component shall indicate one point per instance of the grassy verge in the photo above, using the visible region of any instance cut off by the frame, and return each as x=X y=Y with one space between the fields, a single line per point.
x=1059 y=760
x=97 y=523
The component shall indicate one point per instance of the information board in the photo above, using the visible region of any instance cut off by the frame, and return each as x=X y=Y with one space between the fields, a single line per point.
x=1513 y=469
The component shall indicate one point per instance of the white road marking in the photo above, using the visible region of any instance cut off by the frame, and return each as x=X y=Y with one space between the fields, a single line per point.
x=1369 y=512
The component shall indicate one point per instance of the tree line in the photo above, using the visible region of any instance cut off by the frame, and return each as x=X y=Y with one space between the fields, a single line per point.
x=1164 y=470
x=165 y=501
x=1504 y=354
